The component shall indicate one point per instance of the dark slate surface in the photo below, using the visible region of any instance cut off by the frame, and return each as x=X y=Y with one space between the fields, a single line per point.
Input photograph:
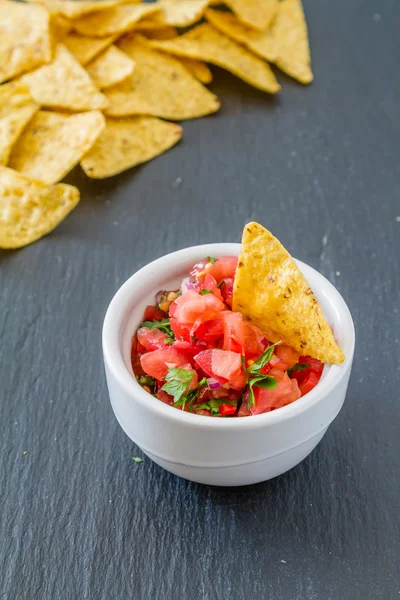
x=320 y=167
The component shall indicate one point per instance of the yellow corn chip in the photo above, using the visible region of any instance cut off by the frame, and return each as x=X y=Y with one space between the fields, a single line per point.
x=290 y=32
x=262 y=43
x=198 y=69
x=256 y=13
x=72 y=9
x=204 y=42
x=16 y=110
x=110 y=68
x=85 y=48
x=24 y=38
x=180 y=13
x=160 y=86
x=114 y=20
x=53 y=143
x=271 y=292
x=60 y=27
x=31 y=209
x=65 y=84
x=128 y=142
x=157 y=33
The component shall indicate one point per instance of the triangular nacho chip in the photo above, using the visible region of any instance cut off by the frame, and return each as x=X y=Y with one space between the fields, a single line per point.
x=206 y=43
x=72 y=9
x=290 y=31
x=149 y=28
x=16 y=110
x=53 y=143
x=114 y=20
x=160 y=86
x=24 y=38
x=30 y=209
x=128 y=142
x=256 y=13
x=158 y=33
x=198 y=69
x=86 y=48
x=111 y=67
x=271 y=292
x=261 y=43
x=180 y=13
x=60 y=27
x=65 y=84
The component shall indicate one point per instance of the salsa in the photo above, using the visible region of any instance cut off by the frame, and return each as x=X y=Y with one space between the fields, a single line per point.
x=193 y=352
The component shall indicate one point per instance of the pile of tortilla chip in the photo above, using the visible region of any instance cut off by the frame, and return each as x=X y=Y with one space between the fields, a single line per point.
x=100 y=83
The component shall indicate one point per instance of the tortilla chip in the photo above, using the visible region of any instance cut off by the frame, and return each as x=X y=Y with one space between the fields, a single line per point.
x=60 y=27
x=114 y=20
x=198 y=69
x=64 y=84
x=110 y=68
x=160 y=86
x=180 y=13
x=290 y=32
x=31 y=209
x=157 y=33
x=16 y=110
x=128 y=142
x=204 y=42
x=256 y=13
x=72 y=9
x=86 y=48
x=261 y=43
x=24 y=38
x=53 y=143
x=271 y=292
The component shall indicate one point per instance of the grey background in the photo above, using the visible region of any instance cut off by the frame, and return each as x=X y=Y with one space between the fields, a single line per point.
x=320 y=167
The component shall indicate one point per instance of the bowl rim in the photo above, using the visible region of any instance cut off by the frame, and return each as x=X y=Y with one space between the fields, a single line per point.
x=114 y=360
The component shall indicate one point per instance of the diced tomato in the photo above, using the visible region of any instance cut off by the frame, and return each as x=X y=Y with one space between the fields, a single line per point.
x=153 y=313
x=308 y=383
x=189 y=306
x=286 y=391
x=303 y=378
x=158 y=362
x=222 y=268
x=210 y=331
x=287 y=354
x=209 y=283
x=151 y=339
x=233 y=331
x=181 y=332
x=135 y=362
x=224 y=365
x=253 y=340
x=244 y=411
x=189 y=349
x=227 y=410
x=227 y=290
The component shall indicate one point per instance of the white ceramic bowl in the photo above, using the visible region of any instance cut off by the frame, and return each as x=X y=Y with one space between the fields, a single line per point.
x=226 y=452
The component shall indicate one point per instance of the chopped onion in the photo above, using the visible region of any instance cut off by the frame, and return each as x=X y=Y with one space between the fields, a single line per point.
x=159 y=296
x=213 y=384
x=187 y=285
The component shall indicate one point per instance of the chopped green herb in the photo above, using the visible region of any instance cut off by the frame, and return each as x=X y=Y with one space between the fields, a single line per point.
x=178 y=293
x=262 y=360
x=204 y=292
x=163 y=325
x=168 y=340
x=137 y=459
x=212 y=259
x=298 y=367
x=178 y=380
x=203 y=382
x=214 y=404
